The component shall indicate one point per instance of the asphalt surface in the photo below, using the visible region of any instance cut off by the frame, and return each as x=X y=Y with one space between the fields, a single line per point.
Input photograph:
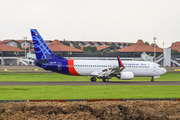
x=90 y=83
x=19 y=67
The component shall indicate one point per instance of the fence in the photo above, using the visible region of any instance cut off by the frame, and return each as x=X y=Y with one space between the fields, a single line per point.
x=93 y=100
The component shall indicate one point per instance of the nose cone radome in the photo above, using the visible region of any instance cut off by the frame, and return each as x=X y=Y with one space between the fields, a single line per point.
x=164 y=70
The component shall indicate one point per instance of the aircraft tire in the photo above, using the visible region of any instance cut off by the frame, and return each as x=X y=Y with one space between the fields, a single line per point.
x=105 y=80
x=152 y=80
x=93 y=79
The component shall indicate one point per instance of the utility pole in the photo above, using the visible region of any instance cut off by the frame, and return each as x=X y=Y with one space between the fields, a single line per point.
x=83 y=34
x=155 y=49
x=163 y=54
x=25 y=38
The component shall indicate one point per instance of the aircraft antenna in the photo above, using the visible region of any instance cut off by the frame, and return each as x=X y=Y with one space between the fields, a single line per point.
x=83 y=34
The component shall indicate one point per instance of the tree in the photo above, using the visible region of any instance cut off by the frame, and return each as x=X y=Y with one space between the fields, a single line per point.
x=19 y=45
x=89 y=48
x=147 y=43
x=115 y=50
x=174 y=52
x=89 y=51
x=99 y=52
x=94 y=49
x=105 y=52
x=76 y=45
x=130 y=44
x=112 y=44
x=65 y=42
x=31 y=47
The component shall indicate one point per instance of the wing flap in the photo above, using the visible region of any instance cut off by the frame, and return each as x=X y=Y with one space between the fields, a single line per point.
x=112 y=71
x=95 y=73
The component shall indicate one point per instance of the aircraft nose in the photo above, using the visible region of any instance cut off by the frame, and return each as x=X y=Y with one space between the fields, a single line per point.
x=164 y=70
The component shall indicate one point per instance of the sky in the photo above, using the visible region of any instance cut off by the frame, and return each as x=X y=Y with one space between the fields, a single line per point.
x=92 y=20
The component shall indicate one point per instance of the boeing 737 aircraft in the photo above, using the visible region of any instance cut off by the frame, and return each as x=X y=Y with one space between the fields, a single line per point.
x=101 y=69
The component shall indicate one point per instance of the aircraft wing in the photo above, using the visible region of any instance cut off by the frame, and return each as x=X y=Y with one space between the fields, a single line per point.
x=112 y=71
x=95 y=73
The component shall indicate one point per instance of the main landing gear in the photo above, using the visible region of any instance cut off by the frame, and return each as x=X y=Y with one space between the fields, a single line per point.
x=152 y=80
x=93 y=79
x=105 y=80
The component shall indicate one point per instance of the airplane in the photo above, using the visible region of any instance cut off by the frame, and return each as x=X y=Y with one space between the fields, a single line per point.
x=101 y=69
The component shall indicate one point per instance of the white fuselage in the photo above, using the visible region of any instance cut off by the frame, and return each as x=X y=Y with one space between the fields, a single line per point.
x=139 y=68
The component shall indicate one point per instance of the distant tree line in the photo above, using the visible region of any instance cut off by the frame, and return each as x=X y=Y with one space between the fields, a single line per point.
x=65 y=42
x=174 y=52
x=90 y=49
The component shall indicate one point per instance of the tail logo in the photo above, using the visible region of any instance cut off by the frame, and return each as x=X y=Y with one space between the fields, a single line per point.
x=41 y=48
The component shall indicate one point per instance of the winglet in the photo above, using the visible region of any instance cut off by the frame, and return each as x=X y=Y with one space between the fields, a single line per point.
x=119 y=62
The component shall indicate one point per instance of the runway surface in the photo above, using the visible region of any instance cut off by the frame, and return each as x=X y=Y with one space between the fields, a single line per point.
x=90 y=83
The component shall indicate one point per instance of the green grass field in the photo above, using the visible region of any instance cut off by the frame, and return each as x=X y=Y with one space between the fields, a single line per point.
x=87 y=92
x=60 y=77
x=83 y=92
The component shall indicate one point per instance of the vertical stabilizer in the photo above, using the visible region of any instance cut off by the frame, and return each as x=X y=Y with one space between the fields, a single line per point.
x=41 y=49
x=120 y=62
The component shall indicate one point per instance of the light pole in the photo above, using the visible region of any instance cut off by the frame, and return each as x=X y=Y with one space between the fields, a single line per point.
x=163 y=54
x=154 y=49
x=25 y=38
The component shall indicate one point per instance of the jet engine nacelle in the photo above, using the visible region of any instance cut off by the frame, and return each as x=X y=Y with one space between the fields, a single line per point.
x=126 y=76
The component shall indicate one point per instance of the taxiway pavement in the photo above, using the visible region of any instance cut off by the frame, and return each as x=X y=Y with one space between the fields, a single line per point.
x=90 y=83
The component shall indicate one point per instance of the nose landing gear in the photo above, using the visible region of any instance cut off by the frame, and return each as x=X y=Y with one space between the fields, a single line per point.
x=152 y=80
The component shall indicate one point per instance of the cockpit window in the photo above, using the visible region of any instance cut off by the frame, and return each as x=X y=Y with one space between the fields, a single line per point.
x=160 y=66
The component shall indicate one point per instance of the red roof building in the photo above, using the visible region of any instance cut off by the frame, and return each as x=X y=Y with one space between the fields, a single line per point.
x=6 y=41
x=140 y=46
x=62 y=50
x=57 y=46
x=8 y=51
x=99 y=48
x=20 y=41
x=176 y=46
x=6 y=48
x=154 y=45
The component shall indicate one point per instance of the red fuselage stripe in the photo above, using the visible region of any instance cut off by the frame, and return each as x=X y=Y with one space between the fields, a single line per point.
x=71 y=69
